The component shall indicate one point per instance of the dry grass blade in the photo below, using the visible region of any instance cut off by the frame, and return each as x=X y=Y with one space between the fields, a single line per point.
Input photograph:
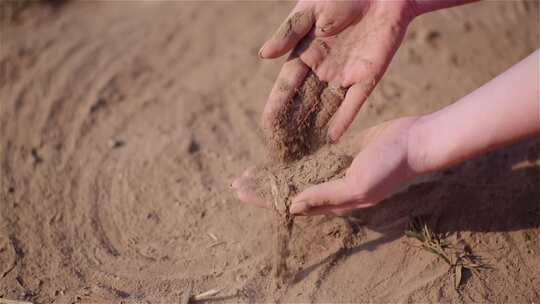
x=459 y=275
x=456 y=257
x=216 y=244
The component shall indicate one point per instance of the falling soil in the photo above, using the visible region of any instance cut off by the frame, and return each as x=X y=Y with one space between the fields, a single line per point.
x=300 y=127
x=298 y=158
x=278 y=183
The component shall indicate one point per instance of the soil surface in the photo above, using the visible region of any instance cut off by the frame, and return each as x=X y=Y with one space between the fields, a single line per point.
x=122 y=125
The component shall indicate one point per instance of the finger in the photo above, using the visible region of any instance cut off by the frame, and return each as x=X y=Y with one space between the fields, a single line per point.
x=324 y=210
x=290 y=78
x=312 y=51
x=244 y=194
x=331 y=193
x=296 y=26
x=339 y=210
x=364 y=74
x=333 y=18
x=240 y=181
x=249 y=197
x=354 y=99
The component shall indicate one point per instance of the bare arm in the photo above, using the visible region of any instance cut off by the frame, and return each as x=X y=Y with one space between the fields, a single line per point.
x=505 y=110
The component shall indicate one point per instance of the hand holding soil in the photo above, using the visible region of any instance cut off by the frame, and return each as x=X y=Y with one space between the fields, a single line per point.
x=381 y=166
x=347 y=44
x=357 y=57
x=296 y=160
x=336 y=45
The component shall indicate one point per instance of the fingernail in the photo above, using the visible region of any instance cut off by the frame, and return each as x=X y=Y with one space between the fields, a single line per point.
x=260 y=52
x=298 y=207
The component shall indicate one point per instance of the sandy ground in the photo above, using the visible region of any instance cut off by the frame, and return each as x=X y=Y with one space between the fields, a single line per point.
x=123 y=123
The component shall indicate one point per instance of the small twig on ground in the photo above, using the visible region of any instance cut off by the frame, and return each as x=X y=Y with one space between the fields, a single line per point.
x=6 y=301
x=216 y=244
x=206 y=295
x=212 y=236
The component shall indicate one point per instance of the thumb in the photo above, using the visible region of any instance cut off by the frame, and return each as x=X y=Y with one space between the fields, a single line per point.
x=294 y=28
x=332 y=193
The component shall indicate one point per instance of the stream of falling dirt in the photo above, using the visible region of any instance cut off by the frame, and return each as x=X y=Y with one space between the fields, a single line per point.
x=283 y=230
x=283 y=225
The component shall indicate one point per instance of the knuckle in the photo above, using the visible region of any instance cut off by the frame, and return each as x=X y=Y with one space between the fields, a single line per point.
x=322 y=46
x=345 y=79
x=311 y=61
x=327 y=25
x=323 y=73
x=314 y=53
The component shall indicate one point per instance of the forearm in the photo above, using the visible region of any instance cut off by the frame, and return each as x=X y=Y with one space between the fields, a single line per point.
x=425 y=6
x=505 y=110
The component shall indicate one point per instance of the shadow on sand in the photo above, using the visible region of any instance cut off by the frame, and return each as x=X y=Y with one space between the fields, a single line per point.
x=497 y=192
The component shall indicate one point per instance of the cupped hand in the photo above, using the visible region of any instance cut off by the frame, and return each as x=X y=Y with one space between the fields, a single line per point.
x=345 y=43
x=387 y=159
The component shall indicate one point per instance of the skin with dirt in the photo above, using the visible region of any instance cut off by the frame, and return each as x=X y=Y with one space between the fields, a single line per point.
x=298 y=19
x=298 y=158
x=300 y=127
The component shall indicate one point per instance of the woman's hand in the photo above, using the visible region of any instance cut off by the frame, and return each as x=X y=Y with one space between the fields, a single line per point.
x=383 y=164
x=346 y=43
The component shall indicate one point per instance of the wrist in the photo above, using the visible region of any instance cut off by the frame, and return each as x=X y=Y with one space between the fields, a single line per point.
x=419 y=154
x=431 y=147
x=423 y=6
x=426 y=6
x=402 y=12
x=414 y=8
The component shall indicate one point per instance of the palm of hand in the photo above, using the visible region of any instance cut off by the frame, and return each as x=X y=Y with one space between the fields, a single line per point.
x=381 y=166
